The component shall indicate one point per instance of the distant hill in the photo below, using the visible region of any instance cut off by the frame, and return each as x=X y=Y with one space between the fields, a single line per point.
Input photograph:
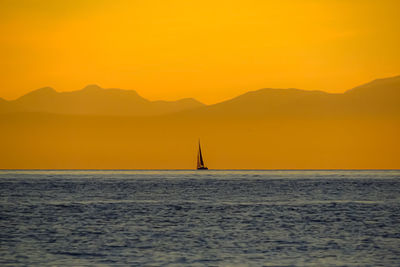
x=387 y=87
x=94 y=100
x=378 y=98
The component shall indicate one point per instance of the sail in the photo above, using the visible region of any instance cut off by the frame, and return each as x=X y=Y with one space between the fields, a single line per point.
x=200 y=161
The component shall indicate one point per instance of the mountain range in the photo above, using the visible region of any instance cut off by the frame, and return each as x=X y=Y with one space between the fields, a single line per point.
x=94 y=100
x=372 y=99
x=379 y=98
x=263 y=129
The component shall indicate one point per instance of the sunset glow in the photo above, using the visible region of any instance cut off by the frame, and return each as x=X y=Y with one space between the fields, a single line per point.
x=209 y=50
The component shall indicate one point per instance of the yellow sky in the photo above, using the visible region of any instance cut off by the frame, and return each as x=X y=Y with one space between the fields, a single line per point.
x=210 y=50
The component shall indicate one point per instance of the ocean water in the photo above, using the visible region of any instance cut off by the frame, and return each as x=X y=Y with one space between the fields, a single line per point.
x=200 y=218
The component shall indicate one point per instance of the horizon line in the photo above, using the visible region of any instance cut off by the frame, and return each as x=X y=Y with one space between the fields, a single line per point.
x=194 y=169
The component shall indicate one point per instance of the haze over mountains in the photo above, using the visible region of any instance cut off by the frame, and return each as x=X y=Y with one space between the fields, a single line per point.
x=263 y=129
x=380 y=97
x=94 y=100
x=377 y=97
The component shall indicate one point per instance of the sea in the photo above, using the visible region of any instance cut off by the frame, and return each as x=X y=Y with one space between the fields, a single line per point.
x=200 y=218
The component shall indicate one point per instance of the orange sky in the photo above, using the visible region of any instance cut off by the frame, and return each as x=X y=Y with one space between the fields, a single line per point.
x=210 y=50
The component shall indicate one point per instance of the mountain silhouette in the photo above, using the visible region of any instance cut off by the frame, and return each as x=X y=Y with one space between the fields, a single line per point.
x=378 y=88
x=381 y=96
x=263 y=129
x=378 y=98
x=94 y=100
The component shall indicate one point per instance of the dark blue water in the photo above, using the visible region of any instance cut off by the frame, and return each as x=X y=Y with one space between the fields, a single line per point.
x=206 y=218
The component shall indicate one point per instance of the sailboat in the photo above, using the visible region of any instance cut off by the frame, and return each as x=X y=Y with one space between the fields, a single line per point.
x=200 y=161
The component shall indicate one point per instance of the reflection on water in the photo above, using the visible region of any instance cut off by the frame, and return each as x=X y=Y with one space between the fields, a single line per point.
x=270 y=218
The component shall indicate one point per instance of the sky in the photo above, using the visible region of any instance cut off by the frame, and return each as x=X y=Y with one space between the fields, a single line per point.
x=209 y=50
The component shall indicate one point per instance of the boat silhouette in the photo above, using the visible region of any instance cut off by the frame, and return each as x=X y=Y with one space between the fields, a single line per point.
x=200 y=161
